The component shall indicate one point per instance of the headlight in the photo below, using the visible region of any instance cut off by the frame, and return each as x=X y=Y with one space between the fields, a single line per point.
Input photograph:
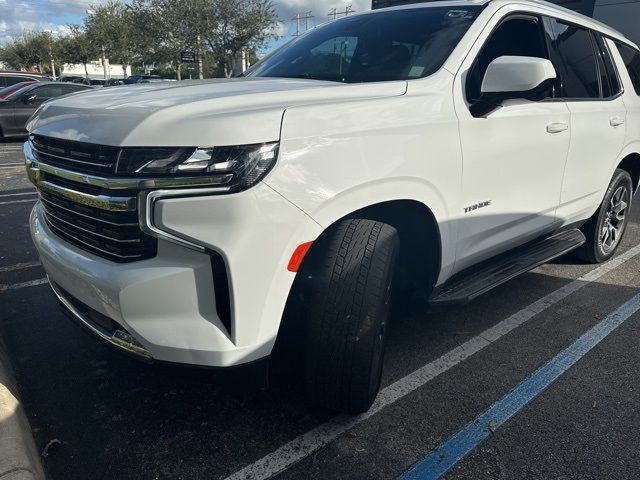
x=239 y=166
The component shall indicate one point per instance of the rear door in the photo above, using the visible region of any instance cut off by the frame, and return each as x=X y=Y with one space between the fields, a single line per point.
x=628 y=59
x=591 y=88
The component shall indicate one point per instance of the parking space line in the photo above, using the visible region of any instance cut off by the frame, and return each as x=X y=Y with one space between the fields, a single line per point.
x=19 y=266
x=3 y=195
x=459 y=445
x=18 y=286
x=307 y=443
x=18 y=201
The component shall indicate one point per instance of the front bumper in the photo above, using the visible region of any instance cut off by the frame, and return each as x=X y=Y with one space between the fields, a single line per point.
x=167 y=303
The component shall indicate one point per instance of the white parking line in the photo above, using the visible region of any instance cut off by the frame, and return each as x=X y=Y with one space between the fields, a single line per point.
x=18 y=266
x=18 y=286
x=18 y=201
x=18 y=194
x=304 y=445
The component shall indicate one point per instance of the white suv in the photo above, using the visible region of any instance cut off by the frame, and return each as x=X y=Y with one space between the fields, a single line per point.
x=439 y=148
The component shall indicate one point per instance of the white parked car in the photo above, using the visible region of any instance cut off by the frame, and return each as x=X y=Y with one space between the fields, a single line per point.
x=439 y=148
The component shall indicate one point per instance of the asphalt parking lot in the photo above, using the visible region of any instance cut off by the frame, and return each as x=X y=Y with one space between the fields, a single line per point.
x=452 y=385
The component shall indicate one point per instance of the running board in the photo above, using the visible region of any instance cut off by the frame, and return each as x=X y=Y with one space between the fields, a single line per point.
x=475 y=281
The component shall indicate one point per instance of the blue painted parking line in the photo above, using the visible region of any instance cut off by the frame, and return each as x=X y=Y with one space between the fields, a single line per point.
x=445 y=457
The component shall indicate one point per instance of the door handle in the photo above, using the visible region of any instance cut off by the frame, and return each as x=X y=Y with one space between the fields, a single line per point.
x=557 y=127
x=616 y=121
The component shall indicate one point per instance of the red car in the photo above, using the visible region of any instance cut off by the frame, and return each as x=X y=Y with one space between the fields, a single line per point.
x=5 y=92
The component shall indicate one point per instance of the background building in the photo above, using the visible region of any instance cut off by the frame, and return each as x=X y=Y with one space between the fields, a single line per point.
x=95 y=70
x=623 y=15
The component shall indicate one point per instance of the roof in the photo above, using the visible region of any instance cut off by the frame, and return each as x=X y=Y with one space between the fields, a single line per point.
x=24 y=74
x=577 y=17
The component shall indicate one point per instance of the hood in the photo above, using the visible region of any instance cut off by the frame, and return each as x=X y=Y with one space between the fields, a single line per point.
x=192 y=113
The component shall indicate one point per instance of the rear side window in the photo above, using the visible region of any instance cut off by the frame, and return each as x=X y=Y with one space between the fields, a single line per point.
x=576 y=60
x=608 y=73
x=631 y=59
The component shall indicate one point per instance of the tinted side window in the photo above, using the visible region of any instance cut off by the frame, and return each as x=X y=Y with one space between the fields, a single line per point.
x=608 y=73
x=47 y=92
x=515 y=36
x=631 y=59
x=575 y=51
x=72 y=88
x=10 y=80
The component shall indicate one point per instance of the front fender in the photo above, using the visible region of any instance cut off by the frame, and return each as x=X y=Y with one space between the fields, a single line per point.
x=336 y=158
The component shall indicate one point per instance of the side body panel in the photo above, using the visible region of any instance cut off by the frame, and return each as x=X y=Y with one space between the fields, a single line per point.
x=7 y=122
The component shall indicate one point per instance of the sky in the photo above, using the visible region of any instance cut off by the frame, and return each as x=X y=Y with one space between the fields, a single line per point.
x=17 y=16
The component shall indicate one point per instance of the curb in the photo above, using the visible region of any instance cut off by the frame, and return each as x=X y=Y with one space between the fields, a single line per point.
x=19 y=459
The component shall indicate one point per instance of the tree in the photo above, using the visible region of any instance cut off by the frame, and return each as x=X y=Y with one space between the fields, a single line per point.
x=173 y=26
x=236 y=25
x=112 y=26
x=77 y=47
x=29 y=50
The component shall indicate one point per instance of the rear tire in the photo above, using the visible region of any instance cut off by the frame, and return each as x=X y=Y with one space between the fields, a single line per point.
x=348 y=316
x=604 y=230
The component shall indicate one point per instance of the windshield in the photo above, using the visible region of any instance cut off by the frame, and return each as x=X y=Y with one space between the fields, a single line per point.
x=385 y=45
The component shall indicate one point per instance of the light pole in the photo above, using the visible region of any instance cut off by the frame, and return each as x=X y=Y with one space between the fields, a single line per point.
x=105 y=70
x=53 y=63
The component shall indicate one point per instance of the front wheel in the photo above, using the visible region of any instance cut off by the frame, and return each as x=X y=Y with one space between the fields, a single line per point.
x=605 y=229
x=348 y=316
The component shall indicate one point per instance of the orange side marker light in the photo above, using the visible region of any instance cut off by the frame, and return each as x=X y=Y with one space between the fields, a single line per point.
x=298 y=255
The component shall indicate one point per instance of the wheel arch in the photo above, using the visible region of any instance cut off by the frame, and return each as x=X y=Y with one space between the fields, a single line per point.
x=419 y=261
x=631 y=164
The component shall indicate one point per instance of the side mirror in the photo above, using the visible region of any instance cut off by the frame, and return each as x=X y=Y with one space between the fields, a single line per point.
x=29 y=99
x=511 y=77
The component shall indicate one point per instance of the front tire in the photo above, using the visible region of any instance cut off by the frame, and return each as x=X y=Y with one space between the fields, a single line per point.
x=348 y=316
x=604 y=230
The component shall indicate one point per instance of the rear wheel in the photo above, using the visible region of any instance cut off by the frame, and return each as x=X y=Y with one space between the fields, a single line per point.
x=348 y=316
x=605 y=229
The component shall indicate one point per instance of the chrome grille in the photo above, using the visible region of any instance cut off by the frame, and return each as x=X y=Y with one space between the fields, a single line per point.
x=112 y=235
x=77 y=156
x=101 y=220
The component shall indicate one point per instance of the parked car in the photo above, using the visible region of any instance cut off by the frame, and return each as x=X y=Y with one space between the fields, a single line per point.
x=16 y=108
x=8 y=78
x=6 y=91
x=113 y=82
x=139 y=78
x=69 y=78
x=156 y=80
x=431 y=150
x=94 y=82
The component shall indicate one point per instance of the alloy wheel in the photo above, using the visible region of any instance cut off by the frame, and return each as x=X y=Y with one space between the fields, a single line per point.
x=614 y=220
